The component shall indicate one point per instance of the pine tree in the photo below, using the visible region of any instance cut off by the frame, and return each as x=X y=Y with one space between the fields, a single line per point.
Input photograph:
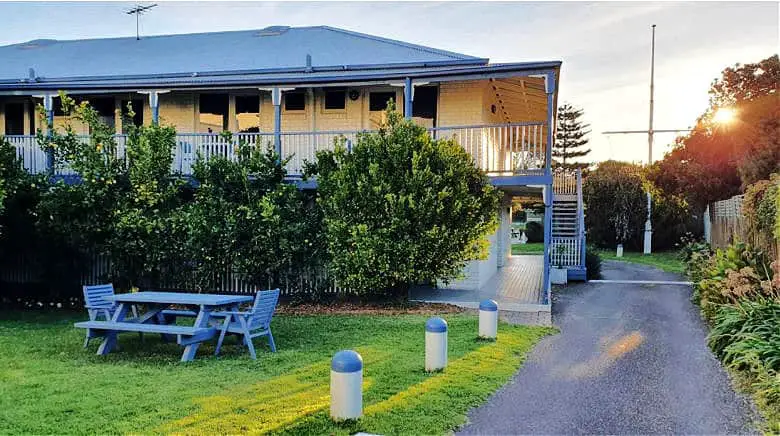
x=571 y=138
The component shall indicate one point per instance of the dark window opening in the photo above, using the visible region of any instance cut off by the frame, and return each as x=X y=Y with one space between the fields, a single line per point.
x=14 y=119
x=377 y=101
x=247 y=104
x=105 y=109
x=213 y=112
x=248 y=113
x=335 y=99
x=424 y=104
x=138 y=114
x=294 y=101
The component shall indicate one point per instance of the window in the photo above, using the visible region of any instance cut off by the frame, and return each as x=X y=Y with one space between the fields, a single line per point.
x=424 y=105
x=335 y=99
x=294 y=101
x=377 y=101
x=213 y=113
x=105 y=109
x=14 y=119
x=248 y=113
x=138 y=114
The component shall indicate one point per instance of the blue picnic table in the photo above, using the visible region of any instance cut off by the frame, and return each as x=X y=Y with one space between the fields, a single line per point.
x=158 y=314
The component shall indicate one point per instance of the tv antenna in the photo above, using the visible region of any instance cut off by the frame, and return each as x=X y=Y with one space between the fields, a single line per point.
x=139 y=10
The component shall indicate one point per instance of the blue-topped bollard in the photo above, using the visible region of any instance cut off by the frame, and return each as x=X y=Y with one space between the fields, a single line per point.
x=435 y=344
x=346 y=385
x=488 y=319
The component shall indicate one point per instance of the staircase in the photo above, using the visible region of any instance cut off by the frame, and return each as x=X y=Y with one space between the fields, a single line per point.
x=568 y=225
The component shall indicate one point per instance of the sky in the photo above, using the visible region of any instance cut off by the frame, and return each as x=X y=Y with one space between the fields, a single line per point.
x=605 y=47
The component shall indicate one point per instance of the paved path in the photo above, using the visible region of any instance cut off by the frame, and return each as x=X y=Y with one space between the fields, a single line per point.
x=629 y=359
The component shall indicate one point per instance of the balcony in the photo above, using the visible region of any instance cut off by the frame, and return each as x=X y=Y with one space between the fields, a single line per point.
x=499 y=150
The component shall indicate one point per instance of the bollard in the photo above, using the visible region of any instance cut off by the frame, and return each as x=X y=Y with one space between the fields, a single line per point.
x=346 y=385
x=488 y=319
x=435 y=344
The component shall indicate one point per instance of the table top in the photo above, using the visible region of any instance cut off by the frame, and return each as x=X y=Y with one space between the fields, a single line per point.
x=180 y=298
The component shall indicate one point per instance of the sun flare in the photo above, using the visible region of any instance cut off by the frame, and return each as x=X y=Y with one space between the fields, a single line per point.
x=724 y=115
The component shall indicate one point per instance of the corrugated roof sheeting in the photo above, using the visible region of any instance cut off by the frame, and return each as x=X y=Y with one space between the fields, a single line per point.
x=247 y=50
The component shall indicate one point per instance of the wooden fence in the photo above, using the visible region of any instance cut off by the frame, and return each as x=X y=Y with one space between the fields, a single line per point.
x=725 y=224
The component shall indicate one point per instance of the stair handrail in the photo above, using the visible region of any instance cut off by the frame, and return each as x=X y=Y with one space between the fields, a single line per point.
x=581 y=217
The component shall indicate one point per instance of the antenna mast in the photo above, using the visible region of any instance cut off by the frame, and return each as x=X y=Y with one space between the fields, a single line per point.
x=138 y=10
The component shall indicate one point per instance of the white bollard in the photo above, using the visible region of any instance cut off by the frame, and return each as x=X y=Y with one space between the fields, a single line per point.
x=619 y=252
x=435 y=344
x=488 y=319
x=346 y=385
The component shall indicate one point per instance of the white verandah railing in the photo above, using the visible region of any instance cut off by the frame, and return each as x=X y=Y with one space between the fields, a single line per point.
x=496 y=149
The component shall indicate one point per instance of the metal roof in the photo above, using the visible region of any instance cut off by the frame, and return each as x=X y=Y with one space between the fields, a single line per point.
x=276 y=48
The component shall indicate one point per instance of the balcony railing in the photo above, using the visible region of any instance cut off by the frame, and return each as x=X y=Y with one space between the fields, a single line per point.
x=496 y=149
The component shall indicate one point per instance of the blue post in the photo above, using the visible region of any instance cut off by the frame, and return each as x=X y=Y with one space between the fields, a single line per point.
x=408 y=97
x=154 y=104
x=581 y=218
x=48 y=106
x=549 y=85
x=276 y=99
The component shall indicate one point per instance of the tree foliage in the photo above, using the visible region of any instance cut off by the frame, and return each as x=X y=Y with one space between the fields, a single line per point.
x=717 y=161
x=244 y=218
x=615 y=195
x=616 y=203
x=402 y=208
x=571 y=138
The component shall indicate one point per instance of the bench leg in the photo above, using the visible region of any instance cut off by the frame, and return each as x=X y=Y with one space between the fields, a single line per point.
x=108 y=344
x=201 y=321
x=86 y=340
x=225 y=326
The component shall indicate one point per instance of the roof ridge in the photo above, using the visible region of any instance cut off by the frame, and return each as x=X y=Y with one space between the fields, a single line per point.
x=165 y=35
x=452 y=54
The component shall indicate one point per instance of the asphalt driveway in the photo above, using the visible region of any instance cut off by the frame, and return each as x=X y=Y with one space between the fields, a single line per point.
x=630 y=359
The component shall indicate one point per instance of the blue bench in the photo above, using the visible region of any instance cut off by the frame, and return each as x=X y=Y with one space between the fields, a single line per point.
x=184 y=334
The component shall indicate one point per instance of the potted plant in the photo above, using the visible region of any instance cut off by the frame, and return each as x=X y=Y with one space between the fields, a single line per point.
x=558 y=273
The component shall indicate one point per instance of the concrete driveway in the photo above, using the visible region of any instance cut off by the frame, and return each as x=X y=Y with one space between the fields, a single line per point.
x=630 y=359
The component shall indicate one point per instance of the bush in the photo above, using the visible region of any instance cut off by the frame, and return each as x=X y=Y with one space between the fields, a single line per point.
x=616 y=198
x=245 y=219
x=593 y=264
x=759 y=208
x=534 y=231
x=730 y=276
x=402 y=208
x=747 y=332
x=616 y=205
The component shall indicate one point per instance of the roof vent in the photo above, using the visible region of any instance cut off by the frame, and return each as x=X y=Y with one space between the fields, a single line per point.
x=272 y=31
x=36 y=43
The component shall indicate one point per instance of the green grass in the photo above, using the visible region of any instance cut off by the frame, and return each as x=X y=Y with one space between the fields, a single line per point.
x=49 y=384
x=668 y=261
x=528 y=248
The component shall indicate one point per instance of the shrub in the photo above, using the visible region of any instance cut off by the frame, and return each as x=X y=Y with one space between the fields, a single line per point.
x=245 y=219
x=402 y=208
x=730 y=276
x=534 y=231
x=746 y=332
x=759 y=209
x=616 y=205
x=592 y=264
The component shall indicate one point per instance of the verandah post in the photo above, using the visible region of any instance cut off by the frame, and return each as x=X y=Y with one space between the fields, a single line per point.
x=276 y=100
x=549 y=86
x=48 y=107
x=408 y=98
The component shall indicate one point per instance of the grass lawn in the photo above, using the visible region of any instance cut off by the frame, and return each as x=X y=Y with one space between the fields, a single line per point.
x=528 y=248
x=49 y=384
x=666 y=260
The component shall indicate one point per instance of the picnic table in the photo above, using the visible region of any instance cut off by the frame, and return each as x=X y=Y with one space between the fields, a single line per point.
x=159 y=312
